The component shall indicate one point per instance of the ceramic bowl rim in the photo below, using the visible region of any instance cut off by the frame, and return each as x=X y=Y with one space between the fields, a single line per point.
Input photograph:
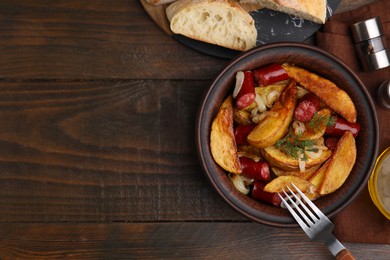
x=205 y=103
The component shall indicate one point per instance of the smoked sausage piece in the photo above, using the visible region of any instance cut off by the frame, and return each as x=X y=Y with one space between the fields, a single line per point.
x=259 y=194
x=340 y=126
x=307 y=107
x=304 y=111
x=255 y=170
x=247 y=94
x=270 y=74
x=241 y=132
x=331 y=142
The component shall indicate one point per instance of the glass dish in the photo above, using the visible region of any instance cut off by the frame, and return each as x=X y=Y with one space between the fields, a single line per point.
x=379 y=183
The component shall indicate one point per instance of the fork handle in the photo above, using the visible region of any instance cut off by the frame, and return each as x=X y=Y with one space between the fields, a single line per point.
x=345 y=254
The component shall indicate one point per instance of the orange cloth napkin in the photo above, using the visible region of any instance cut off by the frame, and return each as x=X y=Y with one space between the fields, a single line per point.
x=361 y=221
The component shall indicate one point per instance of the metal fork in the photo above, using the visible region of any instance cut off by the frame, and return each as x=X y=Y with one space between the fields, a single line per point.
x=315 y=224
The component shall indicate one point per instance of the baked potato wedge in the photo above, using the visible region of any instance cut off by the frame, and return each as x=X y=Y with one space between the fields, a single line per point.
x=269 y=94
x=271 y=129
x=303 y=175
x=277 y=158
x=329 y=93
x=281 y=183
x=318 y=177
x=340 y=164
x=222 y=142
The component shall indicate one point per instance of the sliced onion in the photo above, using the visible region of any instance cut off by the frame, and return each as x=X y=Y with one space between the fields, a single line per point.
x=247 y=181
x=239 y=183
x=262 y=116
x=299 y=127
x=255 y=115
x=239 y=81
x=260 y=103
x=254 y=157
x=264 y=98
x=320 y=147
x=314 y=155
x=301 y=92
x=255 y=112
x=255 y=119
x=302 y=165
x=312 y=189
x=272 y=97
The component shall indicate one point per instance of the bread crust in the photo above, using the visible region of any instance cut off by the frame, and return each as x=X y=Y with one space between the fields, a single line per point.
x=236 y=29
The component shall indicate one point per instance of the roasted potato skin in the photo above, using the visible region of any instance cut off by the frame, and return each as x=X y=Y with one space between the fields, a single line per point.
x=281 y=183
x=318 y=177
x=222 y=143
x=329 y=93
x=281 y=160
x=307 y=174
x=340 y=164
x=271 y=129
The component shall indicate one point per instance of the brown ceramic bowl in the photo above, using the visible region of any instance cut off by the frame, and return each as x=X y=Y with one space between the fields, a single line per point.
x=315 y=60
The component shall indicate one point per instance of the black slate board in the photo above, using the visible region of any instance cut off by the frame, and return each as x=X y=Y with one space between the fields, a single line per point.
x=271 y=27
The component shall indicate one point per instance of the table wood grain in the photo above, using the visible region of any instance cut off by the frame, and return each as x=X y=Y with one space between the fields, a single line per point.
x=97 y=151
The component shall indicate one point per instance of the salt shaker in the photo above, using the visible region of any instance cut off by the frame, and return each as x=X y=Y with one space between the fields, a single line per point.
x=383 y=95
x=370 y=44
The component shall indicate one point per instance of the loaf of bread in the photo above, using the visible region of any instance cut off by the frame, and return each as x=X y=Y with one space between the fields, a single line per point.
x=311 y=10
x=217 y=22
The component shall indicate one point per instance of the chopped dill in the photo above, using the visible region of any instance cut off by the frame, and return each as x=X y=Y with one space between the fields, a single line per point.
x=331 y=121
x=295 y=148
x=319 y=121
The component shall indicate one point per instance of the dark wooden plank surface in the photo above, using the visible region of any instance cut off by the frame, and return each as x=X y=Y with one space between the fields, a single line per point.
x=97 y=153
x=183 y=240
x=112 y=151
x=92 y=40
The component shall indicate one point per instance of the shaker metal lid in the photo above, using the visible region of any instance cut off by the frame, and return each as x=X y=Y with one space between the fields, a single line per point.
x=367 y=29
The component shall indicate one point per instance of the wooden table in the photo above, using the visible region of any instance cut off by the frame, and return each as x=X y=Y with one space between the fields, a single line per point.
x=97 y=152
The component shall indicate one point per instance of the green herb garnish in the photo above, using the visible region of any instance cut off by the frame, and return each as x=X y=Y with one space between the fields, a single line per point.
x=294 y=147
x=319 y=121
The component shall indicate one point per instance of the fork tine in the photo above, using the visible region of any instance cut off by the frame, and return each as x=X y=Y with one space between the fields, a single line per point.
x=307 y=210
x=309 y=221
x=299 y=216
x=317 y=228
x=309 y=202
x=293 y=213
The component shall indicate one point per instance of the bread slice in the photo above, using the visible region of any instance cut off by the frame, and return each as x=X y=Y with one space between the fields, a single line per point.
x=311 y=10
x=217 y=22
